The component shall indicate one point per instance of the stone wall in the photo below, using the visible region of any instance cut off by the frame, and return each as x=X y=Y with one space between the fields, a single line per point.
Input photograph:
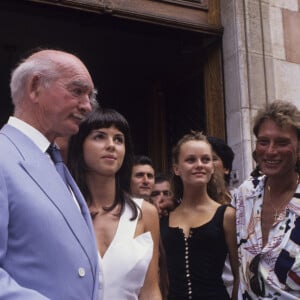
x=261 y=51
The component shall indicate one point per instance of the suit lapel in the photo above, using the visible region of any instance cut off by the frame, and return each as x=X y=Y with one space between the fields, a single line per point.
x=82 y=204
x=39 y=167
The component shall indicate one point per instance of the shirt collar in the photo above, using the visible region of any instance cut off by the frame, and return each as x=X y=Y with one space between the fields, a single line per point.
x=36 y=136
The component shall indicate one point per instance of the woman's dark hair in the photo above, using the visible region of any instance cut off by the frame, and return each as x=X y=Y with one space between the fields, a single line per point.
x=103 y=118
x=226 y=154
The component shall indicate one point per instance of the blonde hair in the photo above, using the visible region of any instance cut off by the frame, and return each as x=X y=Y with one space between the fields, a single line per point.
x=216 y=187
x=284 y=114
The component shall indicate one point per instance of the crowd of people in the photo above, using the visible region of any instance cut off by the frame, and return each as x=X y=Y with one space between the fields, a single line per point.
x=100 y=222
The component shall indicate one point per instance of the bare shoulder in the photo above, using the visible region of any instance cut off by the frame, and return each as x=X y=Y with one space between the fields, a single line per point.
x=150 y=216
x=230 y=213
x=229 y=220
x=149 y=209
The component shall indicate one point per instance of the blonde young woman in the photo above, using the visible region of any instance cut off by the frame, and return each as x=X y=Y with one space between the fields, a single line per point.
x=200 y=232
x=126 y=228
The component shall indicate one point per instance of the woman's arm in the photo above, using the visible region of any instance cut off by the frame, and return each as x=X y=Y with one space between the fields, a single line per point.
x=150 y=218
x=230 y=236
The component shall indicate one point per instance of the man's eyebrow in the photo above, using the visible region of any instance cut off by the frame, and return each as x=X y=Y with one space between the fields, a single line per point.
x=82 y=84
x=79 y=83
x=262 y=138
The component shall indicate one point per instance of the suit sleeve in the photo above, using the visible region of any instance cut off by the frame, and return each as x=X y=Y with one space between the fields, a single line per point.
x=9 y=288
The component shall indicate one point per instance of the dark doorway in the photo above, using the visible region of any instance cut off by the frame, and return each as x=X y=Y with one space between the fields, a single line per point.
x=133 y=65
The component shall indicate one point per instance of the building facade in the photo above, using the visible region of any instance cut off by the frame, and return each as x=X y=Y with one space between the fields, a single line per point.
x=261 y=56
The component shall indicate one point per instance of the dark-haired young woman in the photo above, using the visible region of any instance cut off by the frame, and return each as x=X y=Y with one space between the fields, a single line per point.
x=126 y=229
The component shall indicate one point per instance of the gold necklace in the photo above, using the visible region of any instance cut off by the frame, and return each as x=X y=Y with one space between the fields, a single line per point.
x=280 y=208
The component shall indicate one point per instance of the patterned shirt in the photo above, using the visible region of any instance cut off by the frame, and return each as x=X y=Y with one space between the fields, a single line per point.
x=279 y=259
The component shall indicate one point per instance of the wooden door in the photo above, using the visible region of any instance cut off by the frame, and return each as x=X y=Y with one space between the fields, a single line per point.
x=172 y=51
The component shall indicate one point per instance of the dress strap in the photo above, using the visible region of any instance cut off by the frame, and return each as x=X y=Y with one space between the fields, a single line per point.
x=219 y=215
x=126 y=227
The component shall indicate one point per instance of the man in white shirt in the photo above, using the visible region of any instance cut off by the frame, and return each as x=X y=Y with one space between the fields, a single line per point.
x=142 y=177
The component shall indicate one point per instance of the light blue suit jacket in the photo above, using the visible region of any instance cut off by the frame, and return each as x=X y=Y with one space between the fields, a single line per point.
x=47 y=247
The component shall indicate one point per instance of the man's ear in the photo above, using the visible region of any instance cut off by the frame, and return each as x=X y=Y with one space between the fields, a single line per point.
x=226 y=171
x=34 y=86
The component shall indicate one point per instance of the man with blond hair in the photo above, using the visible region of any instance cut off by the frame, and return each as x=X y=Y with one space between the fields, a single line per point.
x=268 y=208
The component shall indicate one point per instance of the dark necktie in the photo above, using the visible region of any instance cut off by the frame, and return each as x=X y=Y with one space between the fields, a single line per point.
x=61 y=168
x=56 y=157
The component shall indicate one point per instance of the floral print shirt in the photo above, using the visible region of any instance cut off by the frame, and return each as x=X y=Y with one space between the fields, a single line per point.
x=279 y=263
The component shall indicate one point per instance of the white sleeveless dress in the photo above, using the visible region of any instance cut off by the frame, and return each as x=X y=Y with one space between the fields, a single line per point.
x=125 y=263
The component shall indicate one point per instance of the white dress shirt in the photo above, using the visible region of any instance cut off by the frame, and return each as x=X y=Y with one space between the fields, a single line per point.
x=38 y=139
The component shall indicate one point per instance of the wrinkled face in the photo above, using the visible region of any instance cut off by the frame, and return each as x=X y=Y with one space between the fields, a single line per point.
x=142 y=181
x=162 y=197
x=276 y=149
x=104 y=151
x=62 y=104
x=218 y=164
x=195 y=163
